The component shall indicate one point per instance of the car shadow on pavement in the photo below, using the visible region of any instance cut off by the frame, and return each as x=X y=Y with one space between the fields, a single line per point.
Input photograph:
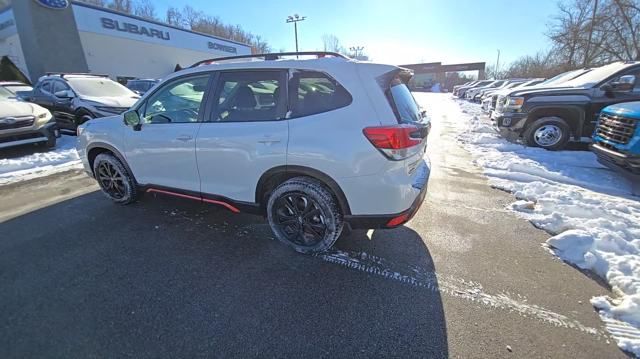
x=168 y=278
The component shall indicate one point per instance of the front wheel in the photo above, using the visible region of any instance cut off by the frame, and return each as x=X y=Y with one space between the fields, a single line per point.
x=551 y=133
x=303 y=214
x=114 y=179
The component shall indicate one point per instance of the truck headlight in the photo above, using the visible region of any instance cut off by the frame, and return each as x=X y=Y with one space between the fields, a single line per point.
x=514 y=103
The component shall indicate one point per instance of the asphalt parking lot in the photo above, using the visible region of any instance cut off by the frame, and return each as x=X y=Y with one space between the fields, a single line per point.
x=82 y=277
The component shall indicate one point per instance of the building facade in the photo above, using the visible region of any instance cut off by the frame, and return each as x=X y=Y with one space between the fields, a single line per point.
x=77 y=37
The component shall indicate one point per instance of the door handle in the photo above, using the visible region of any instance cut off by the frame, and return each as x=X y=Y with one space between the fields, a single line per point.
x=184 y=138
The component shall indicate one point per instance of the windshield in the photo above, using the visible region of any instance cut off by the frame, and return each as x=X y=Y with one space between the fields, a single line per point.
x=99 y=87
x=596 y=75
x=5 y=94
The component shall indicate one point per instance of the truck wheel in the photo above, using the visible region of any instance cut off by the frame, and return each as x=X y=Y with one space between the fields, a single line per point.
x=550 y=133
x=303 y=214
x=114 y=179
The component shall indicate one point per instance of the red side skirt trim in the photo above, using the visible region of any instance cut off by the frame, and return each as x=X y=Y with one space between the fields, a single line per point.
x=224 y=204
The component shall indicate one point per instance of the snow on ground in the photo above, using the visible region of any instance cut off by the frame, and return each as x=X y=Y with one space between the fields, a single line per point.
x=589 y=210
x=37 y=162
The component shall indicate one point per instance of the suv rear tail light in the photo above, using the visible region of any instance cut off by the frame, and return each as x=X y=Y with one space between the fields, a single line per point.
x=395 y=142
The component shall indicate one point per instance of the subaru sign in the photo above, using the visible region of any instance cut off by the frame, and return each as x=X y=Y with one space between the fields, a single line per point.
x=54 y=4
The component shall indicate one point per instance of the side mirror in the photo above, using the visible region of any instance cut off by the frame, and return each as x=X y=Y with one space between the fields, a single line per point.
x=132 y=118
x=64 y=94
x=623 y=84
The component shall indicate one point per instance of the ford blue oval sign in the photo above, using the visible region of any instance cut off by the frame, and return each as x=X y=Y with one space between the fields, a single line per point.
x=54 y=4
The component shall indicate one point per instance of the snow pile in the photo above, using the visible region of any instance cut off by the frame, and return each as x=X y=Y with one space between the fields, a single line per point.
x=588 y=208
x=37 y=164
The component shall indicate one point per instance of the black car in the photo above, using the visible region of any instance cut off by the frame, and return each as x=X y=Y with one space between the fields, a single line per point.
x=76 y=98
x=140 y=86
x=551 y=117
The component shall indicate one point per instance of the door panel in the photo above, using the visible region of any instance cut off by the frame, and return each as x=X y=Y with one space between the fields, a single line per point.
x=244 y=133
x=233 y=155
x=163 y=151
x=164 y=154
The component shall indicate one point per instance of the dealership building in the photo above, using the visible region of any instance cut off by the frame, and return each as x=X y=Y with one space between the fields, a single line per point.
x=41 y=36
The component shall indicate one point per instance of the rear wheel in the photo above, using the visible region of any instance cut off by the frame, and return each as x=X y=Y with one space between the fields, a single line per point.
x=114 y=179
x=304 y=215
x=551 y=133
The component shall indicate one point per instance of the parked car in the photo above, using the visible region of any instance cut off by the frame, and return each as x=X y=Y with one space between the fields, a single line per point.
x=74 y=99
x=490 y=98
x=312 y=144
x=471 y=93
x=616 y=140
x=454 y=90
x=505 y=84
x=551 y=117
x=141 y=86
x=17 y=88
x=23 y=123
x=462 y=90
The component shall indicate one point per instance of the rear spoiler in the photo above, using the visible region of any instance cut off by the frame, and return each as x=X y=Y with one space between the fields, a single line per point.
x=401 y=73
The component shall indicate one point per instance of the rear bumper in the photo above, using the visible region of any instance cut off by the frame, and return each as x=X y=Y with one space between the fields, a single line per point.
x=378 y=221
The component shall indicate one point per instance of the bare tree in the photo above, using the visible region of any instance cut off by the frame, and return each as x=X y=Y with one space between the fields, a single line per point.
x=174 y=17
x=332 y=43
x=145 y=9
x=125 y=6
x=191 y=16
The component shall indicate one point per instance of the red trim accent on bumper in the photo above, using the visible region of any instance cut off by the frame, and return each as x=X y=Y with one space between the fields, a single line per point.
x=224 y=204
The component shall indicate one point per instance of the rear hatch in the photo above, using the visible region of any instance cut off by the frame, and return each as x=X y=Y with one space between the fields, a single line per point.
x=407 y=140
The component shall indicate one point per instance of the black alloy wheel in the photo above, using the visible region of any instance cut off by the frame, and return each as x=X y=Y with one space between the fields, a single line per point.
x=300 y=219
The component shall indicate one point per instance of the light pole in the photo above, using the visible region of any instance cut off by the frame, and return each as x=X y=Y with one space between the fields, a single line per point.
x=495 y=75
x=294 y=19
x=356 y=50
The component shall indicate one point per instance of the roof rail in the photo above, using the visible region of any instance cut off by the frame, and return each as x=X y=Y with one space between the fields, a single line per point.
x=270 y=56
x=63 y=74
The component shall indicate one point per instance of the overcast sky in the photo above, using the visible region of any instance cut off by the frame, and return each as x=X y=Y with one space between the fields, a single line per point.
x=395 y=31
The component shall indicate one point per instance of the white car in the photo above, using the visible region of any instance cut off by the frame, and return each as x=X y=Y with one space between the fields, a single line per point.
x=24 y=123
x=313 y=144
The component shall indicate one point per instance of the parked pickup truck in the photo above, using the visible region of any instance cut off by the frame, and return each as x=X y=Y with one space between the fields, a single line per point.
x=616 y=140
x=551 y=117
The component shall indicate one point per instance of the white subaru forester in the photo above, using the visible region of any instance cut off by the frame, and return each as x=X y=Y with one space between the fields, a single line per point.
x=313 y=144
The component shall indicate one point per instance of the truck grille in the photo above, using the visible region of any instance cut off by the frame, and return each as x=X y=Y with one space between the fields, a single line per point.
x=8 y=123
x=616 y=128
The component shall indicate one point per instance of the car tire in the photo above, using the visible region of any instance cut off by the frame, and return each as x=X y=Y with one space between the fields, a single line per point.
x=304 y=215
x=550 y=133
x=83 y=116
x=114 y=179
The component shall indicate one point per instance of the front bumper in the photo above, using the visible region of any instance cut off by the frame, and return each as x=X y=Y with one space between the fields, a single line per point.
x=42 y=134
x=420 y=183
x=626 y=164
x=509 y=124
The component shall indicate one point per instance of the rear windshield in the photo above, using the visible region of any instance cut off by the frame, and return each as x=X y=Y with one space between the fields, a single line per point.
x=405 y=105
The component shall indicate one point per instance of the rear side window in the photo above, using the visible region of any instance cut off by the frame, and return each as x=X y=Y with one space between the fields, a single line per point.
x=405 y=105
x=316 y=92
x=247 y=96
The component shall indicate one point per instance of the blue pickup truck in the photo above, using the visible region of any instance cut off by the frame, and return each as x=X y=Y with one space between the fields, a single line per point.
x=616 y=140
